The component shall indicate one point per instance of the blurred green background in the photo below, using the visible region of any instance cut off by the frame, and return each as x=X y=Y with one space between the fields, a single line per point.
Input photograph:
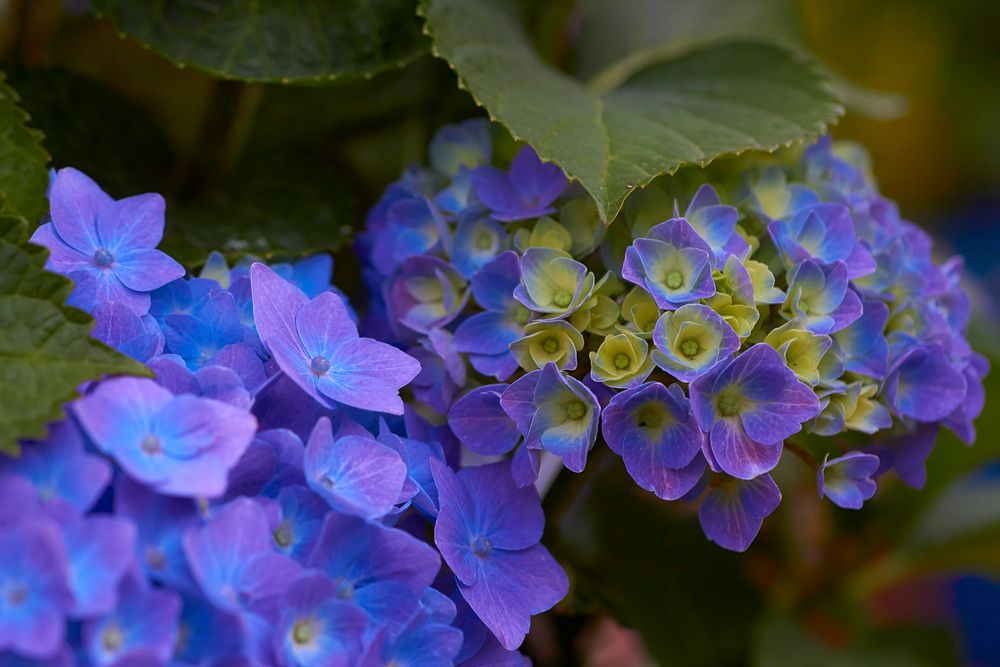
x=914 y=579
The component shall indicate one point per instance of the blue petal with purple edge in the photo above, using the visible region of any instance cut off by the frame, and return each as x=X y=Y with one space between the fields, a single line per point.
x=652 y=424
x=862 y=346
x=732 y=513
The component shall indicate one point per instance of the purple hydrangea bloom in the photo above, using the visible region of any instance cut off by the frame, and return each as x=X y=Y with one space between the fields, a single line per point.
x=413 y=227
x=419 y=485
x=60 y=469
x=847 y=480
x=672 y=275
x=526 y=191
x=421 y=642
x=442 y=370
x=119 y=327
x=216 y=382
x=732 y=512
x=488 y=532
x=180 y=445
x=480 y=423
x=824 y=232
x=315 y=628
x=716 y=224
x=34 y=583
x=296 y=519
x=317 y=345
x=554 y=412
x=652 y=428
x=107 y=247
x=862 y=346
x=818 y=294
x=486 y=336
x=355 y=474
x=748 y=406
x=961 y=420
x=923 y=385
x=141 y=630
x=234 y=559
x=478 y=239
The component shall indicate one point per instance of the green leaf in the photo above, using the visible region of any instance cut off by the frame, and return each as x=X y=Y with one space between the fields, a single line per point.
x=46 y=350
x=617 y=135
x=282 y=41
x=23 y=177
x=653 y=569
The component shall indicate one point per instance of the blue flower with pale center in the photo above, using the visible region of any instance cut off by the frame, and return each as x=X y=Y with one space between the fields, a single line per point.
x=652 y=428
x=774 y=198
x=824 y=232
x=142 y=628
x=315 y=628
x=716 y=224
x=691 y=340
x=478 y=239
x=426 y=293
x=819 y=296
x=464 y=145
x=413 y=227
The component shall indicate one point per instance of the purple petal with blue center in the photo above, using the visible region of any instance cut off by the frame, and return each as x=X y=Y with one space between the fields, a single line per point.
x=354 y=474
x=234 y=558
x=651 y=427
x=488 y=532
x=59 y=468
x=526 y=191
x=847 y=480
x=315 y=629
x=924 y=385
x=181 y=445
x=317 y=345
x=732 y=513
x=356 y=553
x=748 y=406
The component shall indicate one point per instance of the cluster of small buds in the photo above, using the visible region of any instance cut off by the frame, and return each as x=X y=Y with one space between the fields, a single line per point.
x=264 y=497
x=789 y=299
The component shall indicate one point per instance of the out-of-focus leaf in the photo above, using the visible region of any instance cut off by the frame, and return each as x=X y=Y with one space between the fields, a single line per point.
x=689 y=107
x=275 y=204
x=655 y=571
x=46 y=346
x=282 y=41
x=23 y=176
x=94 y=129
x=782 y=642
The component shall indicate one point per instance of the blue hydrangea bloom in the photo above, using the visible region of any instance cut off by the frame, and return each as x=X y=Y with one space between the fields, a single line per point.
x=317 y=345
x=478 y=240
x=180 y=445
x=425 y=294
x=315 y=628
x=819 y=296
x=99 y=549
x=692 y=340
x=488 y=532
x=119 y=327
x=824 y=232
x=199 y=336
x=295 y=520
x=142 y=629
x=465 y=145
x=732 y=512
x=847 y=480
x=107 y=247
x=413 y=227
x=923 y=385
x=748 y=406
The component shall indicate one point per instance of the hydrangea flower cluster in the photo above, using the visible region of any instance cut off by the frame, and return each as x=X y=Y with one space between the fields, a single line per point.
x=265 y=497
x=695 y=336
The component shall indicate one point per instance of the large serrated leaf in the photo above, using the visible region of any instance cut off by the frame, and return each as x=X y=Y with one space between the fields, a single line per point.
x=685 y=108
x=23 y=176
x=281 y=41
x=46 y=350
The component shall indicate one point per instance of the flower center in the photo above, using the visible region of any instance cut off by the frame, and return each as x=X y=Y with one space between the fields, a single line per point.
x=481 y=546
x=303 y=631
x=17 y=596
x=151 y=444
x=112 y=639
x=622 y=362
x=283 y=535
x=550 y=344
x=484 y=241
x=155 y=558
x=576 y=409
x=649 y=418
x=345 y=590
x=319 y=364
x=103 y=258
x=690 y=348
x=674 y=279
x=729 y=405
x=562 y=298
